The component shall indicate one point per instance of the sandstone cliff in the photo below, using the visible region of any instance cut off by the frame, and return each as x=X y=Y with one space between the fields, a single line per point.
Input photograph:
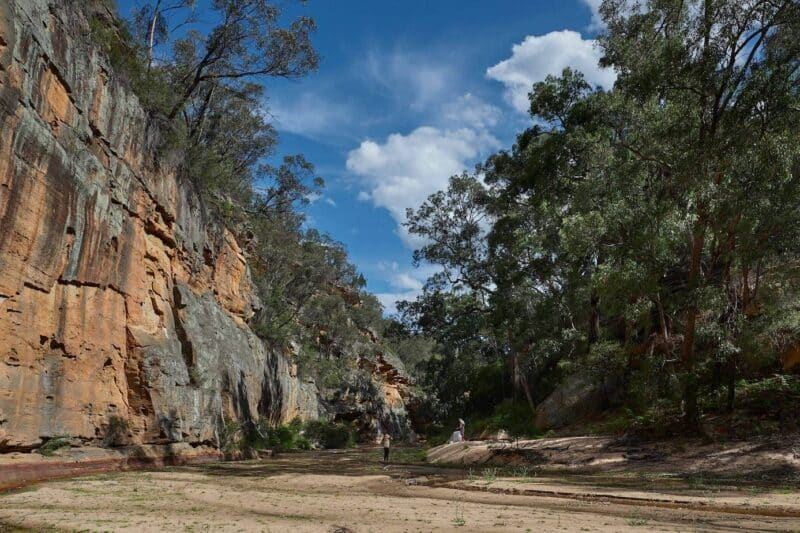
x=121 y=297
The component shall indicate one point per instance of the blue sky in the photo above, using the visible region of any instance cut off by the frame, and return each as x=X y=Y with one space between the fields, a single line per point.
x=408 y=93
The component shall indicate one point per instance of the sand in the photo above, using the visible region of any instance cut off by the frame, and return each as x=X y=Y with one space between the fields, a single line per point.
x=352 y=491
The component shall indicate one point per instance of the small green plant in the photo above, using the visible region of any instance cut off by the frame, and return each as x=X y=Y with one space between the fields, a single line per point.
x=117 y=431
x=458 y=519
x=229 y=434
x=52 y=445
x=520 y=471
x=636 y=520
x=489 y=475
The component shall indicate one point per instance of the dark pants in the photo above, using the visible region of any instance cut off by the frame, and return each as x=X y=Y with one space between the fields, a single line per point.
x=386 y=455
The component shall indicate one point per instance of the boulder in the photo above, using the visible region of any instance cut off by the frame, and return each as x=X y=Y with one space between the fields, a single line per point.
x=577 y=398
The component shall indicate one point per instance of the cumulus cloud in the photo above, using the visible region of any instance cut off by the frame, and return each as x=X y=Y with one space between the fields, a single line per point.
x=470 y=110
x=404 y=170
x=404 y=280
x=536 y=57
x=404 y=284
x=597 y=23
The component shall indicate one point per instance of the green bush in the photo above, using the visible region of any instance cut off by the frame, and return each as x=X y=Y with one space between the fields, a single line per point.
x=287 y=437
x=51 y=445
x=436 y=435
x=230 y=435
x=516 y=418
x=116 y=432
x=330 y=434
x=262 y=435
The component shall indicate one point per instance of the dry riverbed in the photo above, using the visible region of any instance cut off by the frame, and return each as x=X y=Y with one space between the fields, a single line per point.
x=351 y=491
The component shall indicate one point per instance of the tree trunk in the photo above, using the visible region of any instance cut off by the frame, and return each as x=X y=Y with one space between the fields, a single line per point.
x=151 y=38
x=594 y=318
x=527 y=390
x=731 y=385
x=520 y=379
x=691 y=416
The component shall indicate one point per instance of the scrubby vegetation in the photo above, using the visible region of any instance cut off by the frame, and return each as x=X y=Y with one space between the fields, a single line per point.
x=116 y=431
x=296 y=435
x=52 y=445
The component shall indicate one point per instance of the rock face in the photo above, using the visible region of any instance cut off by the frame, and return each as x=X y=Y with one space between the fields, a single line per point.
x=375 y=402
x=579 y=397
x=121 y=299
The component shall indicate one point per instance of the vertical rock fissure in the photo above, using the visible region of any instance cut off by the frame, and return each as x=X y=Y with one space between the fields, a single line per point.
x=189 y=355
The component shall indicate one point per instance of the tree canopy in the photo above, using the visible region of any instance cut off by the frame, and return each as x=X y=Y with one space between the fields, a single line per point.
x=647 y=232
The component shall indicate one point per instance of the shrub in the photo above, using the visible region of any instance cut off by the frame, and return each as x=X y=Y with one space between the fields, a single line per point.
x=516 y=418
x=116 y=432
x=52 y=444
x=230 y=435
x=330 y=434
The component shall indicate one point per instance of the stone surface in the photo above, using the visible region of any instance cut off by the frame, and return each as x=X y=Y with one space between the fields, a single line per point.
x=121 y=297
x=577 y=398
x=375 y=399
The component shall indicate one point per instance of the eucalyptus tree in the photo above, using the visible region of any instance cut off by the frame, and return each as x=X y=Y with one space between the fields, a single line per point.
x=708 y=103
x=652 y=224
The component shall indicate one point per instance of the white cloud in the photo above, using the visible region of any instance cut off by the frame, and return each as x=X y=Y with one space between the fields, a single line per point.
x=404 y=280
x=597 y=23
x=404 y=170
x=410 y=77
x=470 y=110
x=389 y=300
x=536 y=57
x=363 y=196
x=330 y=201
x=404 y=285
x=309 y=115
x=629 y=7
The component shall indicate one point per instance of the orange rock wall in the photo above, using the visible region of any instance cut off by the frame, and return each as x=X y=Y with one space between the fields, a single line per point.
x=97 y=234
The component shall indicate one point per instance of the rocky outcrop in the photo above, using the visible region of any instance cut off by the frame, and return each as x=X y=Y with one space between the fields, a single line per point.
x=374 y=400
x=578 y=397
x=123 y=304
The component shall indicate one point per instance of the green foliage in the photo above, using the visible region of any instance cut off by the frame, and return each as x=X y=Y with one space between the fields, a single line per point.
x=280 y=438
x=116 y=431
x=52 y=445
x=646 y=234
x=152 y=86
x=516 y=418
x=330 y=434
x=229 y=433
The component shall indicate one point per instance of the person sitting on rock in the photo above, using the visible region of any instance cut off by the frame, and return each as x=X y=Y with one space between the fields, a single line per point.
x=386 y=442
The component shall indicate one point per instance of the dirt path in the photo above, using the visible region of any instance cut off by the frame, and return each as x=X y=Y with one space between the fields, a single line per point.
x=350 y=491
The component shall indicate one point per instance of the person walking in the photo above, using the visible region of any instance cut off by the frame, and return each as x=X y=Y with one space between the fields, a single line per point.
x=386 y=441
x=462 y=428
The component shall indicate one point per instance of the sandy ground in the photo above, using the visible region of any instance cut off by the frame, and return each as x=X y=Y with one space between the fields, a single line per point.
x=351 y=491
